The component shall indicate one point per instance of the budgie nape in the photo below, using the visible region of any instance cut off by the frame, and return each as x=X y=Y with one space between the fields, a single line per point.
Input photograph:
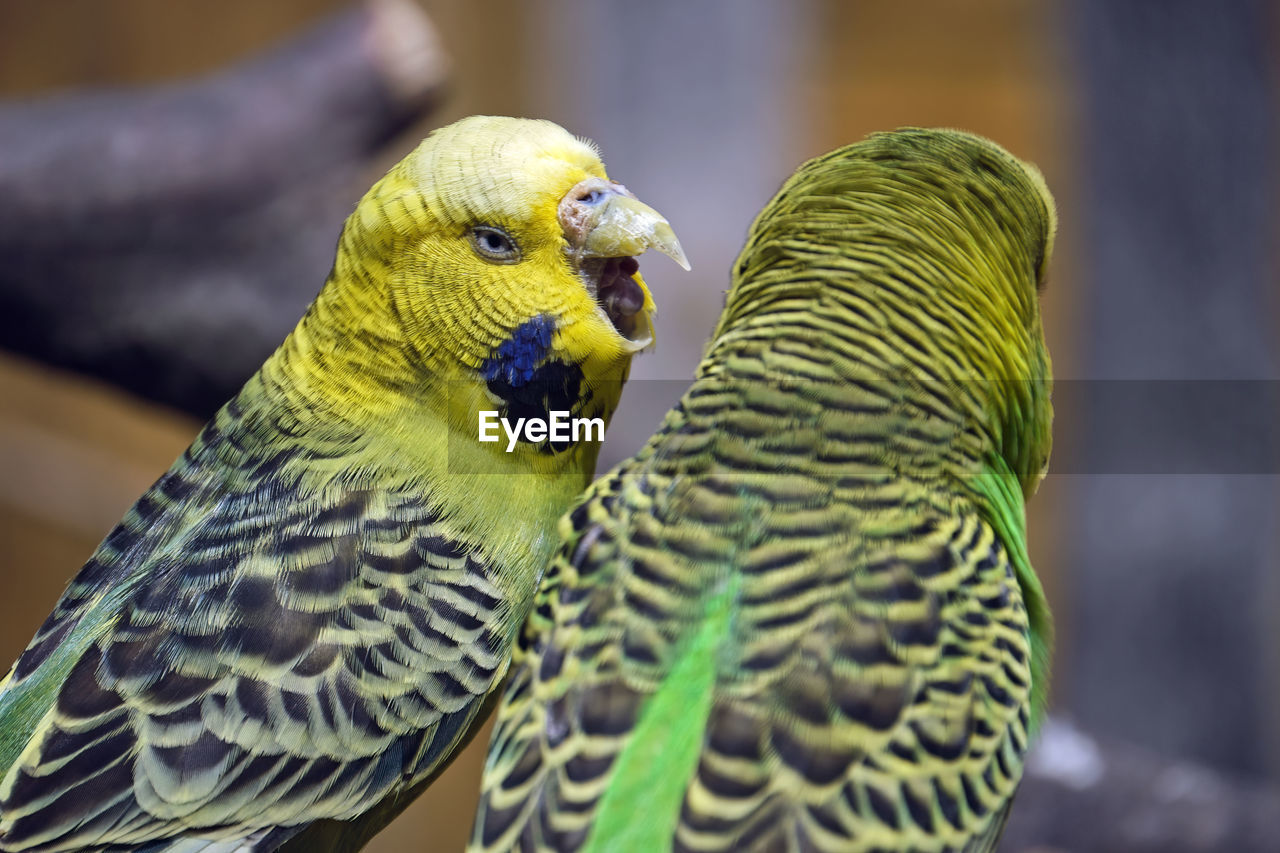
x=802 y=617
x=295 y=628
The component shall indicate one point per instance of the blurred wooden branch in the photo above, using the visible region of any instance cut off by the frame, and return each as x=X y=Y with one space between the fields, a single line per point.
x=166 y=239
x=1086 y=795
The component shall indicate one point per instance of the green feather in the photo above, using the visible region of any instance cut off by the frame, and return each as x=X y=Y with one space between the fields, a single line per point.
x=1005 y=512
x=638 y=814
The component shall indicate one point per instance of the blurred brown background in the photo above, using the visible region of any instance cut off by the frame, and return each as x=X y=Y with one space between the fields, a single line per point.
x=703 y=108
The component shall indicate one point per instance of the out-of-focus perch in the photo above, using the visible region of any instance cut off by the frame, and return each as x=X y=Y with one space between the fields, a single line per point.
x=166 y=239
x=1085 y=795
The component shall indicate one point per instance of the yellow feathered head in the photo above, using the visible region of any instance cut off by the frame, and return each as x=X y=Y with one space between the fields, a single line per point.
x=502 y=255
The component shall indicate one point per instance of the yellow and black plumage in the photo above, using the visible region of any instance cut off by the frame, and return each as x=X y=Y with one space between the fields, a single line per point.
x=802 y=617
x=297 y=625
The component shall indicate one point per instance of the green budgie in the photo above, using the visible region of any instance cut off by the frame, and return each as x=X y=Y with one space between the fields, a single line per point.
x=802 y=617
x=298 y=625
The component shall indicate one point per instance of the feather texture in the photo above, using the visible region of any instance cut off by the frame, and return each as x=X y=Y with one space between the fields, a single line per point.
x=300 y=622
x=802 y=617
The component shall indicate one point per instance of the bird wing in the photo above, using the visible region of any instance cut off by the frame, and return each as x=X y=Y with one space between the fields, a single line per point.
x=282 y=660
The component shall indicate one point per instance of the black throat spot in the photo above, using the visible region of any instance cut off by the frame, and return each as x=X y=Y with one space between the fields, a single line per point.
x=553 y=386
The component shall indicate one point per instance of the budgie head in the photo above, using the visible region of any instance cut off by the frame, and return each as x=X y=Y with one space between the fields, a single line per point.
x=497 y=263
x=929 y=247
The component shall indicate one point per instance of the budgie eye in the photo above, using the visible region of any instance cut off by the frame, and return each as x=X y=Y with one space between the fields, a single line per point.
x=494 y=245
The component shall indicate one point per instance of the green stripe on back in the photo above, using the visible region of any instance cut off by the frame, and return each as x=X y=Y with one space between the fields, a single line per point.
x=639 y=810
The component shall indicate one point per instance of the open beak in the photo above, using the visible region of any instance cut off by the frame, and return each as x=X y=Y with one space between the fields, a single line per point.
x=606 y=227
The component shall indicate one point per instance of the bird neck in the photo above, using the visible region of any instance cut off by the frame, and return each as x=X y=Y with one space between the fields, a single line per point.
x=939 y=401
x=344 y=403
x=943 y=320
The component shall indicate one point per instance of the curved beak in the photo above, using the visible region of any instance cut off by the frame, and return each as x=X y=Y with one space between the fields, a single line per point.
x=606 y=226
x=602 y=219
